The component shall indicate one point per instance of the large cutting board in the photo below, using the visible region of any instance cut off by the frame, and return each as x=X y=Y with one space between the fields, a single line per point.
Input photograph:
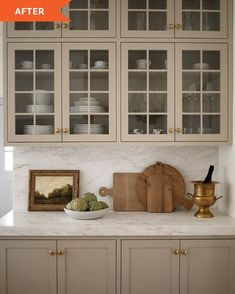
x=145 y=188
x=124 y=192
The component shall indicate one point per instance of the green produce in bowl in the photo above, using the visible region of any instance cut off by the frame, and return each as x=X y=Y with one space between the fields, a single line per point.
x=104 y=204
x=89 y=197
x=69 y=205
x=80 y=204
x=95 y=205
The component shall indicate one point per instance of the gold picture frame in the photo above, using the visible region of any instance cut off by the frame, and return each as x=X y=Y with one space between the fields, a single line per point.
x=51 y=190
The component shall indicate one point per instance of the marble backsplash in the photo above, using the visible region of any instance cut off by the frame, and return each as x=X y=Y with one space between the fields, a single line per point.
x=97 y=164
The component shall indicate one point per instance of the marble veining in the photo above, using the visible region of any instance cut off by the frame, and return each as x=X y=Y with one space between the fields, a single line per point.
x=180 y=223
x=97 y=164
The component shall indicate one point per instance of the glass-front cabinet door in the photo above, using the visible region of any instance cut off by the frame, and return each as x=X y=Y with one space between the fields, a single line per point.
x=89 y=97
x=147 y=92
x=34 y=97
x=201 y=92
x=147 y=18
x=90 y=18
x=201 y=18
x=34 y=29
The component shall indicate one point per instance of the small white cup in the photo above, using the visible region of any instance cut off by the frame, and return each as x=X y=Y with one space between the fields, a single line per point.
x=82 y=66
x=27 y=64
x=142 y=63
x=101 y=64
x=157 y=131
x=45 y=66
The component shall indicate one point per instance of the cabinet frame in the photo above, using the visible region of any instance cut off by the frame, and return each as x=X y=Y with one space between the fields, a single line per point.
x=12 y=48
x=222 y=136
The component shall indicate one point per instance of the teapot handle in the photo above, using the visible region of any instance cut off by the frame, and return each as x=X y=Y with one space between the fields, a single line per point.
x=219 y=198
x=190 y=195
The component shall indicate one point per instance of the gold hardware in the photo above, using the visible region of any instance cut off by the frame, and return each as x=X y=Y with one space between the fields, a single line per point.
x=183 y=252
x=179 y=130
x=176 y=252
x=170 y=26
x=178 y=26
x=65 y=131
x=57 y=25
x=170 y=130
x=52 y=252
x=65 y=25
x=60 y=252
x=57 y=131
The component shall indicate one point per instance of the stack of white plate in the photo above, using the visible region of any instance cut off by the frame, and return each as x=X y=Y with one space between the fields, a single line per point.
x=39 y=129
x=81 y=105
x=40 y=108
x=83 y=129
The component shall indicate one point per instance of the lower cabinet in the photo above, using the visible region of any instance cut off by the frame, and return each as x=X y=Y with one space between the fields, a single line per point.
x=92 y=266
x=41 y=267
x=184 y=267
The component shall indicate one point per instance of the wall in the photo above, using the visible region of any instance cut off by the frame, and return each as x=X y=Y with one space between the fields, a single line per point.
x=97 y=164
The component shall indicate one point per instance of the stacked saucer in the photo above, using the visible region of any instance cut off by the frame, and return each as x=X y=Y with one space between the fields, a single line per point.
x=38 y=129
x=83 y=129
x=39 y=108
x=81 y=105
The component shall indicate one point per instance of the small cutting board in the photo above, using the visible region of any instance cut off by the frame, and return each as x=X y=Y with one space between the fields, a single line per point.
x=124 y=192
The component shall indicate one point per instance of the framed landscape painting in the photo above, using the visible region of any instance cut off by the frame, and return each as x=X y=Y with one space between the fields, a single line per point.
x=51 y=190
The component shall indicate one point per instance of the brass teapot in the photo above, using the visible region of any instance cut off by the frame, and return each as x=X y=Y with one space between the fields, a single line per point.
x=204 y=197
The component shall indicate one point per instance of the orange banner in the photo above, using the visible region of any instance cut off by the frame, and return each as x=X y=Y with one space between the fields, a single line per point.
x=32 y=10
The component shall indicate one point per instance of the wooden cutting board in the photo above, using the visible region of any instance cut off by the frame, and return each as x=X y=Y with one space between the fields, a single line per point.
x=124 y=192
x=159 y=191
x=150 y=184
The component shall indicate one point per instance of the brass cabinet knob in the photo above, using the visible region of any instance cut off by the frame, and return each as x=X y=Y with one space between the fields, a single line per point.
x=179 y=130
x=170 y=130
x=183 y=252
x=170 y=26
x=57 y=131
x=178 y=26
x=177 y=252
x=57 y=25
x=65 y=25
x=65 y=131
x=52 y=252
x=60 y=252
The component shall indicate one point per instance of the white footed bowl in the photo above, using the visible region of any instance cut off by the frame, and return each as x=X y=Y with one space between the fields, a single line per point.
x=86 y=214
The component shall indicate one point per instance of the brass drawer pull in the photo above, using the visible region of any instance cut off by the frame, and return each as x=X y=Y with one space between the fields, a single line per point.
x=65 y=25
x=60 y=252
x=52 y=252
x=171 y=131
x=177 y=252
x=57 y=25
x=65 y=131
x=57 y=131
x=183 y=252
x=170 y=26
x=178 y=26
x=179 y=130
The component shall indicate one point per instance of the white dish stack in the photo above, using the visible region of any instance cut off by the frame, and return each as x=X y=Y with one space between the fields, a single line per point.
x=83 y=129
x=38 y=129
x=81 y=105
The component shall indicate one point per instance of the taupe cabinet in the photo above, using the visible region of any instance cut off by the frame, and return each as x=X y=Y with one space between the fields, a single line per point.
x=58 y=267
x=179 y=18
x=174 y=92
x=178 y=267
x=48 y=104
x=92 y=18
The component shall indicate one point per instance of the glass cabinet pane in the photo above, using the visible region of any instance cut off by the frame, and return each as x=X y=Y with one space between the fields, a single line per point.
x=147 y=97
x=34 y=92
x=89 y=15
x=147 y=15
x=89 y=91
x=201 y=96
x=202 y=15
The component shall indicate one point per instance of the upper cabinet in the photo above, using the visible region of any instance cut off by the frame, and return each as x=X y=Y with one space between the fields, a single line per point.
x=184 y=18
x=89 y=18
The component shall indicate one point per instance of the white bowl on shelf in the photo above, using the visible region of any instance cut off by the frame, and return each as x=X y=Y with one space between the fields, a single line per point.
x=42 y=97
x=86 y=215
x=27 y=64
x=198 y=65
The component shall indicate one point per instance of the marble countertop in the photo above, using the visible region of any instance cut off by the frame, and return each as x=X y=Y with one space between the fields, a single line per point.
x=114 y=224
